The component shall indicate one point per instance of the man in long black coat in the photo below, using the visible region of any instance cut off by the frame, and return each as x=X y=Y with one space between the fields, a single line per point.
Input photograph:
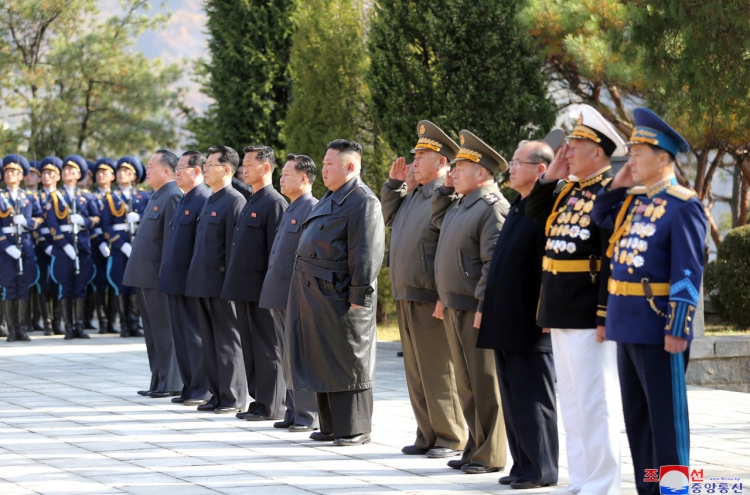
x=523 y=354
x=333 y=297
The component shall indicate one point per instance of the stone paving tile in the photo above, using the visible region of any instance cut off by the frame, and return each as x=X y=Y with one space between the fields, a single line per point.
x=71 y=423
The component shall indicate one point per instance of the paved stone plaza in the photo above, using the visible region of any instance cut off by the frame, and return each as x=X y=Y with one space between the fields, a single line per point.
x=72 y=423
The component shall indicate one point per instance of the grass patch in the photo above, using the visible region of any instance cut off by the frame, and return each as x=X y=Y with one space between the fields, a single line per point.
x=388 y=331
x=722 y=329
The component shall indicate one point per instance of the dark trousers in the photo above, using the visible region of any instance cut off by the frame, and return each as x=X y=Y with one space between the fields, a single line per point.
x=654 y=403
x=345 y=413
x=527 y=388
x=62 y=272
x=301 y=406
x=222 y=352
x=157 y=330
x=262 y=343
x=183 y=312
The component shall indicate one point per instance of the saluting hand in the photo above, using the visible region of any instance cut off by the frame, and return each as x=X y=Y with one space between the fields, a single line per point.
x=559 y=168
x=674 y=344
x=398 y=169
x=449 y=179
x=624 y=178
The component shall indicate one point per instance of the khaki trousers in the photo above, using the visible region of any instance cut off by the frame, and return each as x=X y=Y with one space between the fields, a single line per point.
x=430 y=377
x=478 y=391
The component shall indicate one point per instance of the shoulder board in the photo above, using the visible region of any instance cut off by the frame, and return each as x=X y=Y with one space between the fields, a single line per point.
x=559 y=186
x=637 y=190
x=490 y=198
x=680 y=192
x=607 y=181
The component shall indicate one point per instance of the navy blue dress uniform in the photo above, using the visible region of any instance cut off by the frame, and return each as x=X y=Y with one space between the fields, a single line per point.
x=262 y=342
x=573 y=303
x=217 y=318
x=182 y=309
x=17 y=268
x=657 y=267
x=72 y=266
x=48 y=288
x=119 y=232
x=37 y=321
x=301 y=407
x=105 y=301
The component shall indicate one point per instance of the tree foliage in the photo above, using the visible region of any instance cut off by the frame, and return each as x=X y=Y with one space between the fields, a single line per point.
x=72 y=83
x=247 y=74
x=459 y=63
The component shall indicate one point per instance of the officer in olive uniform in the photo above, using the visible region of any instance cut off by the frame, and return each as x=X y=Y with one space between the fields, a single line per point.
x=441 y=431
x=121 y=214
x=70 y=215
x=657 y=265
x=469 y=210
x=105 y=301
x=17 y=268
x=573 y=302
x=51 y=309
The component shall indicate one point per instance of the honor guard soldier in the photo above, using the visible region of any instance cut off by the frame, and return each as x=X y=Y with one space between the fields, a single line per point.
x=70 y=214
x=121 y=212
x=51 y=309
x=17 y=268
x=105 y=300
x=262 y=341
x=31 y=182
x=573 y=302
x=469 y=210
x=657 y=267
x=441 y=431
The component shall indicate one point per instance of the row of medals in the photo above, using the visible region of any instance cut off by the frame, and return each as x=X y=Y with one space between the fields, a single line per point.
x=640 y=223
x=572 y=222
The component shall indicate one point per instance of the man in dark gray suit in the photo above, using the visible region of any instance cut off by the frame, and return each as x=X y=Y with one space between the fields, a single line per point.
x=217 y=319
x=173 y=279
x=142 y=272
x=296 y=181
x=248 y=263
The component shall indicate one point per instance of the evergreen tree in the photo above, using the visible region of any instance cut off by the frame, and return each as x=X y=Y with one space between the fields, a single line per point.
x=461 y=64
x=247 y=75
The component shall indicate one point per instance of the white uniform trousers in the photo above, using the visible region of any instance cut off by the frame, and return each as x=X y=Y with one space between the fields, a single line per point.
x=591 y=410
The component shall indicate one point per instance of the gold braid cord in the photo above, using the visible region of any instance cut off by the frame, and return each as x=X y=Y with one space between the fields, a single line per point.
x=59 y=214
x=551 y=219
x=116 y=212
x=619 y=225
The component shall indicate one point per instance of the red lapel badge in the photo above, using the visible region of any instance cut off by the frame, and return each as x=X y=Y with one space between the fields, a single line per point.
x=187 y=212
x=213 y=213
x=156 y=208
x=294 y=222
x=253 y=215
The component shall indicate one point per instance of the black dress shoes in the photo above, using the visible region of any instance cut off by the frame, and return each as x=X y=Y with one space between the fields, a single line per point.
x=442 y=452
x=206 y=407
x=225 y=410
x=319 y=436
x=350 y=441
x=414 y=450
x=194 y=402
x=282 y=424
x=507 y=480
x=145 y=393
x=257 y=417
x=300 y=428
x=474 y=468
x=521 y=484
x=455 y=464
x=163 y=395
x=178 y=400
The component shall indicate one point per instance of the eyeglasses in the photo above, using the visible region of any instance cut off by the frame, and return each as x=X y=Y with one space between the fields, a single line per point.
x=208 y=165
x=517 y=163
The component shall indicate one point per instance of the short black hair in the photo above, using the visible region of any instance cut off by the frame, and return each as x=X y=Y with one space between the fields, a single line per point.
x=264 y=154
x=168 y=158
x=304 y=164
x=657 y=149
x=197 y=159
x=227 y=155
x=342 y=145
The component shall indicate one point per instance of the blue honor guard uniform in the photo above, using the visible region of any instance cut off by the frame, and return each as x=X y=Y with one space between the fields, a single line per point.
x=657 y=265
x=70 y=215
x=17 y=268
x=119 y=232
x=105 y=300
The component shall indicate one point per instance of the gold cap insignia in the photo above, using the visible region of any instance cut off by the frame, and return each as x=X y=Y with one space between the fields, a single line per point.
x=421 y=129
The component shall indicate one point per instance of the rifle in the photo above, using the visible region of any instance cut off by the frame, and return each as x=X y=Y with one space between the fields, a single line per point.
x=131 y=225
x=19 y=245
x=76 y=229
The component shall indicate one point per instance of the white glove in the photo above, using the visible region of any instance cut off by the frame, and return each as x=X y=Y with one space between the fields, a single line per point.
x=104 y=249
x=70 y=251
x=77 y=219
x=127 y=249
x=48 y=250
x=133 y=217
x=13 y=252
x=20 y=220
